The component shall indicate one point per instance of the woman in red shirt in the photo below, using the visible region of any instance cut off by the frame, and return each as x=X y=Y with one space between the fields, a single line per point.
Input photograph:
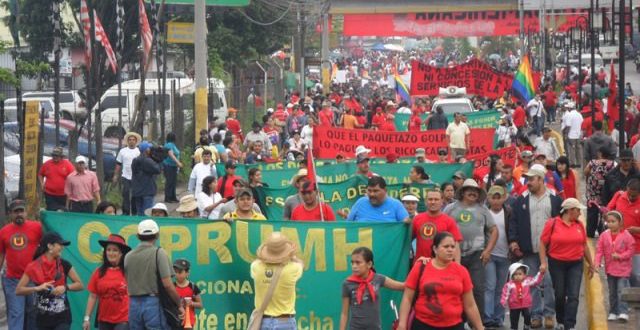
x=444 y=291
x=108 y=286
x=564 y=243
x=46 y=277
x=568 y=177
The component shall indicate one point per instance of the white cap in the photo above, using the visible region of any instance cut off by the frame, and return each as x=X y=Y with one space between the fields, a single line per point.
x=81 y=159
x=270 y=110
x=148 y=227
x=410 y=198
x=361 y=150
x=289 y=105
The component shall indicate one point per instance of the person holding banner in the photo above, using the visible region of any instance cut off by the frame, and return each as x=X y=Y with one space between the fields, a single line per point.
x=309 y=210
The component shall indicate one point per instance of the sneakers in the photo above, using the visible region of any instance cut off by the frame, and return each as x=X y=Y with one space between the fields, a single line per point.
x=548 y=322
x=623 y=317
x=612 y=317
x=536 y=323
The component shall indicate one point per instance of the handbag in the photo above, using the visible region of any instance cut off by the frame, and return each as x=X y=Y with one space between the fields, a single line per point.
x=255 y=320
x=169 y=307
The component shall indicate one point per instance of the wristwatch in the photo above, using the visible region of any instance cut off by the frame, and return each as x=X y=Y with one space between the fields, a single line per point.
x=87 y=318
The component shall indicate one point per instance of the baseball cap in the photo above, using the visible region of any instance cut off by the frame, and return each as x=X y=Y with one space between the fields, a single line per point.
x=391 y=157
x=242 y=192
x=81 y=159
x=571 y=203
x=526 y=153
x=495 y=189
x=148 y=227
x=626 y=154
x=459 y=175
x=229 y=164
x=361 y=150
x=420 y=152
x=536 y=170
x=57 y=151
x=182 y=264
x=144 y=145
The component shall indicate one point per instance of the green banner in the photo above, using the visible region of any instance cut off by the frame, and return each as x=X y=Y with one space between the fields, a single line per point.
x=342 y=195
x=478 y=119
x=279 y=175
x=220 y=255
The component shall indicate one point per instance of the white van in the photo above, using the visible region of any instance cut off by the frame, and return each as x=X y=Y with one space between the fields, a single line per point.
x=71 y=104
x=11 y=108
x=184 y=86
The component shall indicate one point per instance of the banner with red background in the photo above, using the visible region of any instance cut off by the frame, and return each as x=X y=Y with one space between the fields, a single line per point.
x=330 y=141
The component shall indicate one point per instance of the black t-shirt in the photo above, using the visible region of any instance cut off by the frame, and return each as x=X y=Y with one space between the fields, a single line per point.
x=366 y=315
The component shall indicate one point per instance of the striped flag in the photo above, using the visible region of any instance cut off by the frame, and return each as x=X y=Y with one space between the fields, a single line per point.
x=145 y=32
x=119 y=28
x=86 y=31
x=102 y=38
x=523 y=84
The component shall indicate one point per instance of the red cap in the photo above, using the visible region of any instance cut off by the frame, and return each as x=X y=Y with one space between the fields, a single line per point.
x=391 y=158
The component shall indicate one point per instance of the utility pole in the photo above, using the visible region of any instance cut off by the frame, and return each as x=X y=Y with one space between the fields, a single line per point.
x=621 y=99
x=301 y=32
x=326 y=64
x=592 y=42
x=521 y=8
x=201 y=106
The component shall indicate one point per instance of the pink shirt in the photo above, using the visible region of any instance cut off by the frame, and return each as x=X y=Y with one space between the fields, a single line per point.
x=624 y=246
x=81 y=187
x=518 y=297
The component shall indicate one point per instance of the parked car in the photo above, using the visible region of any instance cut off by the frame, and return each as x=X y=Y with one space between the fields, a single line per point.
x=72 y=106
x=11 y=108
x=453 y=99
x=12 y=175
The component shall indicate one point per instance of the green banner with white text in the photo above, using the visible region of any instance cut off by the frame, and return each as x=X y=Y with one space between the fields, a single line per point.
x=478 y=119
x=220 y=255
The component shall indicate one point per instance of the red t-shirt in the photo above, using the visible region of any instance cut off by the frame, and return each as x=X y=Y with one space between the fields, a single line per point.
x=378 y=119
x=549 y=99
x=55 y=175
x=233 y=125
x=569 y=185
x=19 y=244
x=425 y=228
x=519 y=117
x=566 y=242
x=111 y=290
x=440 y=291
x=300 y=213
x=415 y=123
x=229 y=191
x=388 y=126
x=630 y=212
x=189 y=291
x=326 y=118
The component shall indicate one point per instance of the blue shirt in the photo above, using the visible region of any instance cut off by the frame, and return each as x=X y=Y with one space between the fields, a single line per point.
x=176 y=152
x=391 y=210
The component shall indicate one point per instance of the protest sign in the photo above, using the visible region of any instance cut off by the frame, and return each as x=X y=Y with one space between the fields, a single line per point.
x=508 y=156
x=329 y=141
x=478 y=77
x=478 y=119
x=221 y=253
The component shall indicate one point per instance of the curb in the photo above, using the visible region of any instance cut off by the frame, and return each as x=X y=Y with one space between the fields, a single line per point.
x=596 y=311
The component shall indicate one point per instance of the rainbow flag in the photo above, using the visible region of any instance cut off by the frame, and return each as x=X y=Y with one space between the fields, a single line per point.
x=523 y=85
x=402 y=90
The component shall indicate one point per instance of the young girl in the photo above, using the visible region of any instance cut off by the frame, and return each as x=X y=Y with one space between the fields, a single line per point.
x=360 y=293
x=516 y=294
x=616 y=246
x=189 y=293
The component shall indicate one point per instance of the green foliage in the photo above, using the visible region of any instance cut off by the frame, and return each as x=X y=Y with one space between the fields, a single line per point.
x=32 y=69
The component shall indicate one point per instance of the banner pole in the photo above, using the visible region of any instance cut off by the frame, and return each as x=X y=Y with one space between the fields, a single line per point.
x=313 y=166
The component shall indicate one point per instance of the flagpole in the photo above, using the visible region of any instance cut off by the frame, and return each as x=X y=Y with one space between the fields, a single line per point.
x=313 y=166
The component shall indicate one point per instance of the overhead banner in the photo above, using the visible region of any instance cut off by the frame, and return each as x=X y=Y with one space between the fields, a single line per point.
x=453 y=24
x=329 y=141
x=221 y=253
x=477 y=76
x=478 y=119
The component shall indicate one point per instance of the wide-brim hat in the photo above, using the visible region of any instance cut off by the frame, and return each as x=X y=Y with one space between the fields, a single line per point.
x=117 y=240
x=516 y=266
x=303 y=172
x=188 y=203
x=571 y=203
x=471 y=184
x=158 y=206
x=135 y=135
x=276 y=249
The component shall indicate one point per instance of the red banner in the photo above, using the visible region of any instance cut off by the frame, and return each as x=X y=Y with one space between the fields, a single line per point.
x=477 y=76
x=329 y=141
x=508 y=156
x=452 y=24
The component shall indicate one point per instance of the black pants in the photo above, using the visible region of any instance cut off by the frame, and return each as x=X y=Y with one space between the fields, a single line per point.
x=474 y=265
x=566 y=277
x=417 y=325
x=170 y=178
x=113 y=326
x=81 y=207
x=593 y=221
x=514 y=315
x=128 y=208
x=55 y=203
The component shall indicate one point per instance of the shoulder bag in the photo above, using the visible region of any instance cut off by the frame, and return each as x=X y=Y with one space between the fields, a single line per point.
x=169 y=307
x=412 y=312
x=255 y=321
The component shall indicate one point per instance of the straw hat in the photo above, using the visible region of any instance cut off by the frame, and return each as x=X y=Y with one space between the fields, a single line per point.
x=188 y=203
x=276 y=249
x=471 y=184
x=135 y=135
x=303 y=172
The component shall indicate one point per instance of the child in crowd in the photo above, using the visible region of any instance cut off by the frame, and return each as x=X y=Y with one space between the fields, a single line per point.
x=516 y=294
x=188 y=291
x=360 y=293
x=616 y=246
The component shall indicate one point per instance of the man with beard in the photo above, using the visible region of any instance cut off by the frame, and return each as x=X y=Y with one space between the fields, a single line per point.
x=376 y=206
x=18 y=242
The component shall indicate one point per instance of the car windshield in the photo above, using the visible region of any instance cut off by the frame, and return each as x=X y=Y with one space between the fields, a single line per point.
x=451 y=108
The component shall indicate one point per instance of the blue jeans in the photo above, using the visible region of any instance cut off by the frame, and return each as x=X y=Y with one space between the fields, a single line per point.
x=278 y=324
x=567 y=276
x=145 y=313
x=616 y=284
x=143 y=203
x=170 y=179
x=543 y=298
x=18 y=306
x=496 y=273
x=635 y=273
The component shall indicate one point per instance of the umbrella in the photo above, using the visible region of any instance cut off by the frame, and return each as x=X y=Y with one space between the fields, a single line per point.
x=378 y=46
x=394 y=48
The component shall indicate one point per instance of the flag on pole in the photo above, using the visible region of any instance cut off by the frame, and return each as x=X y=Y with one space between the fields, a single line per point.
x=119 y=28
x=401 y=89
x=311 y=168
x=145 y=32
x=86 y=31
x=102 y=38
x=523 y=85
x=613 y=110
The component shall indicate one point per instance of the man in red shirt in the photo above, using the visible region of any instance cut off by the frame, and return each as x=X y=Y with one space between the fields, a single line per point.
x=378 y=118
x=309 y=210
x=628 y=204
x=519 y=116
x=52 y=176
x=426 y=225
x=18 y=242
x=550 y=104
x=415 y=122
x=233 y=124
x=326 y=116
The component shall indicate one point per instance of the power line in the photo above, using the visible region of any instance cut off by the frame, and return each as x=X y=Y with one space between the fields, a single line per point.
x=262 y=23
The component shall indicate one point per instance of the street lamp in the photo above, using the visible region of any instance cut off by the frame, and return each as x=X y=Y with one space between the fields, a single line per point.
x=577 y=35
x=596 y=23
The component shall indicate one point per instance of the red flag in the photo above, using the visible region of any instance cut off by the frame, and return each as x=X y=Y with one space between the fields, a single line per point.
x=145 y=31
x=311 y=168
x=102 y=38
x=86 y=31
x=612 y=101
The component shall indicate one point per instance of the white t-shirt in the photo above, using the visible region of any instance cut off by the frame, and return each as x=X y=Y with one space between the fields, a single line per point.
x=573 y=119
x=204 y=201
x=125 y=157
x=502 y=247
x=457 y=134
x=201 y=171
x=307 y=135
x=535 y=108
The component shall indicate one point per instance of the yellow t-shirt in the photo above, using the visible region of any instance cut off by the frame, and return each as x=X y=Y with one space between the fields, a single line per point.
x=197 y=154
x=233 y=215
x=349 y=121
x=284 y=295
x=457 y=135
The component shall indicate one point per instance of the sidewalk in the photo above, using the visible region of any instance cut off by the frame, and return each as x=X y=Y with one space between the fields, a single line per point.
x=615 y=325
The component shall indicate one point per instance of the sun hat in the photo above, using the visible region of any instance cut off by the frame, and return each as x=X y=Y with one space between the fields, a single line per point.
x=188 y=203
x=158 y=206
x=515 y=266
x=117 y=240
x=410 y=198
x=536 y=170
x=276 y=249
x=302 y=173
x=135 y=135
x=148 y=227
x=571 y=203
x=57 y=151
x=361 y=149
x=471 y=184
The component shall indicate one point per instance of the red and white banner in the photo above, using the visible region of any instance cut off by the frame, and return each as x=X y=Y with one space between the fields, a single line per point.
x=101 y=37
x=508 y=156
